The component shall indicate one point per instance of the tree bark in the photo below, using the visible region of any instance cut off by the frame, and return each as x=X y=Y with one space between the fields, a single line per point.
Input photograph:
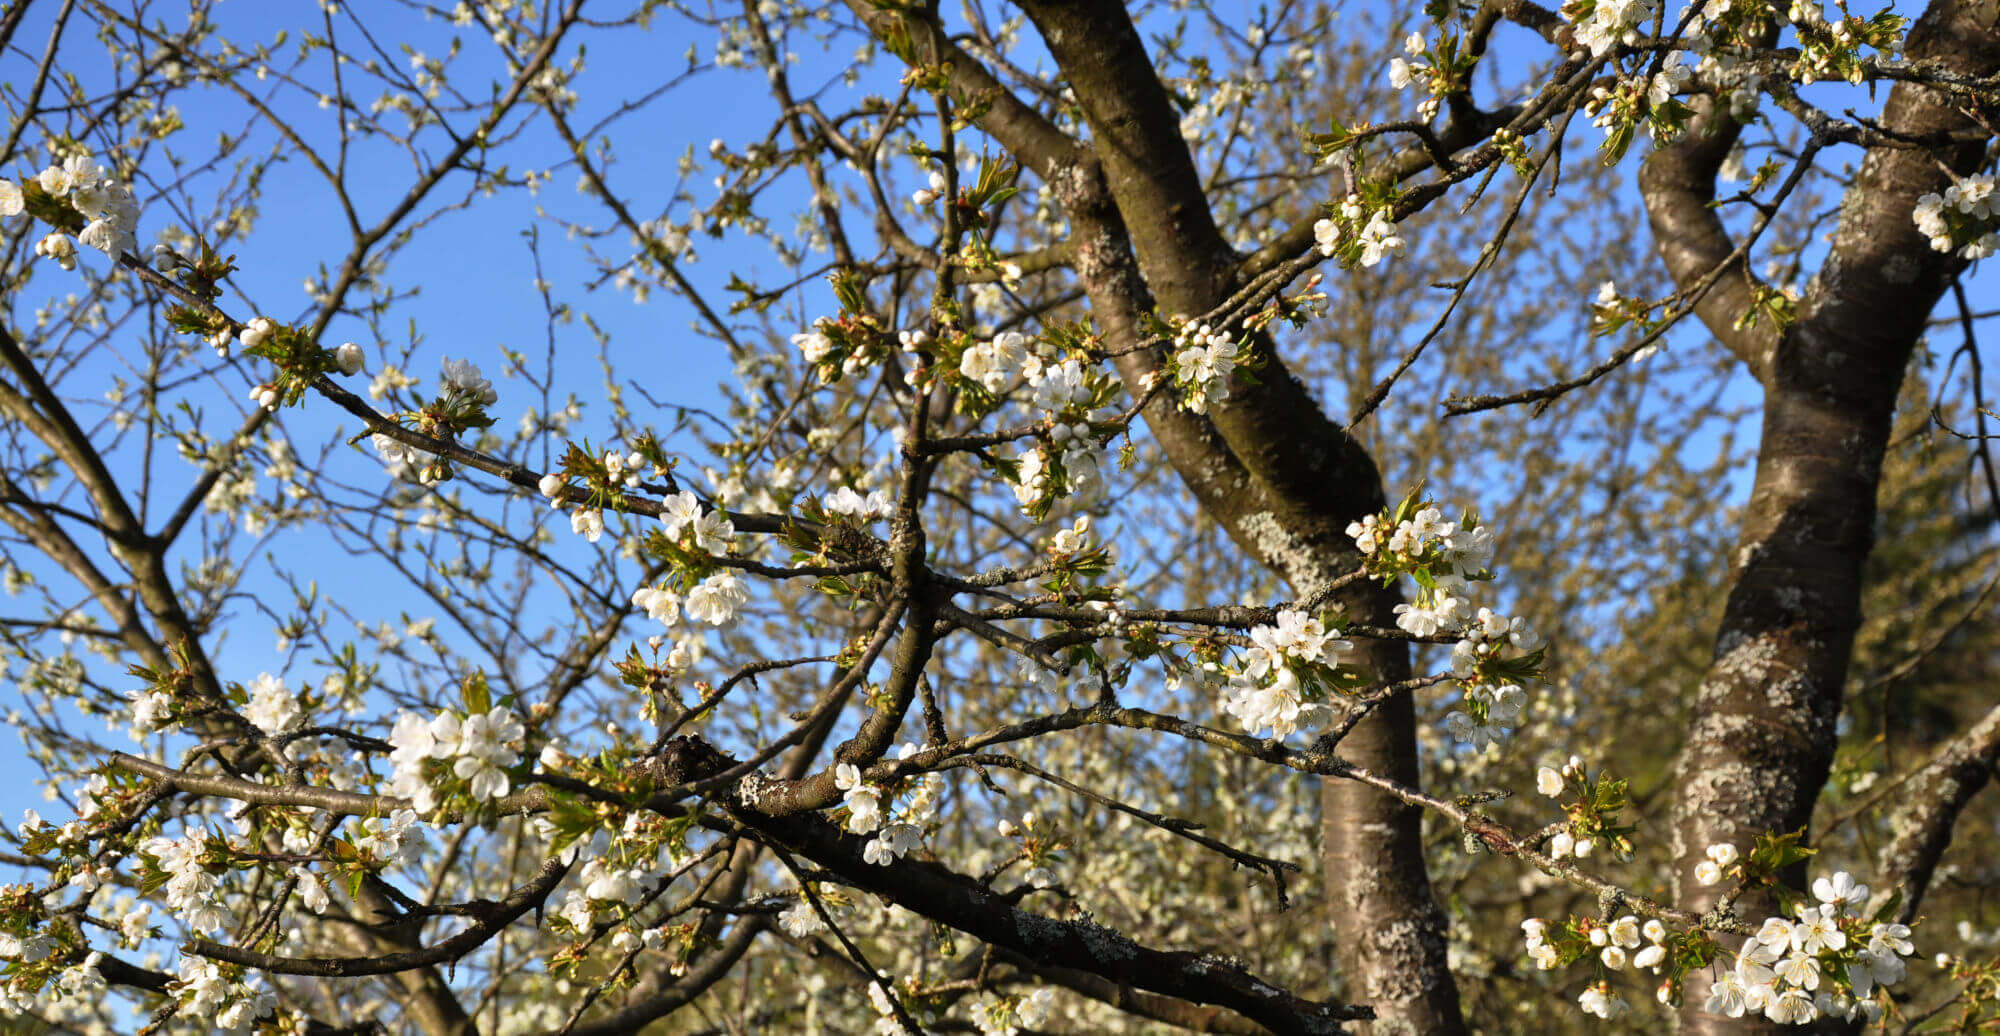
x=1762 y=731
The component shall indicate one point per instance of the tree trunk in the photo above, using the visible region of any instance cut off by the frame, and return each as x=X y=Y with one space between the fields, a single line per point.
x=1762 y=732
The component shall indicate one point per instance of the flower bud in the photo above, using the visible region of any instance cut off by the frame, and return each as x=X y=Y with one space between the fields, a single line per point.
x=254 y=333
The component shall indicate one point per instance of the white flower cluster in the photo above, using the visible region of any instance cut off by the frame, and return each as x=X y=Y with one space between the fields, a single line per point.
x=997 y=1015
x=863 y=344
x=1379 y=239
x=623 y=469
x=1614 y=943
x=463 y=377
x=391 y=379
x=1499 y=705
x=1674 y=76
x=1079 y=465
x=111 y=211
x=464 y=388
x=1072 y=540
x=1454 y=554
x=191 y=889
x=662 y=606
x=56 y=245
x=1266 y=691
x=1377 y=236
x=203 y=992
x=150 y=714
x=1552 y=782
x=1623 y=934
x=714 y=600
x=1057 y=387
x=887 y=1024
x=709 y=532
x=403 y=461
x=800 y=920
x=1609 y=23
x=1204 y=358
x=1973 y=207
x=136 y=925
x=1060 y=389
x=928 y=194
x=1402 y=74
x=1616 y=107
x=896 y=831
x=480 y=747
x=1602 y=1001
x=29 y=949
x=1465 y=551
x=813 y=345
x=1828 y=962
x=587 y=522
x=1735 y=79
x=273 y=708
x=995 y=364
x=81 y=981
x=394 y=840
x=607 y=887
x=845 y=501
x=312 y=892
x=256 y=331
x=1719 y=856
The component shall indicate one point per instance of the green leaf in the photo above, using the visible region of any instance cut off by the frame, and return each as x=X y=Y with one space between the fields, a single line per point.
x=1888 y=911
x=1610 y=795
x=478 y=696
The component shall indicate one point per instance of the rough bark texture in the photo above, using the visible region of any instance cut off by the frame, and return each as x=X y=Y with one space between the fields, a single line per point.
x=1678 y=183
x=1932 y=799
x=1762 y=732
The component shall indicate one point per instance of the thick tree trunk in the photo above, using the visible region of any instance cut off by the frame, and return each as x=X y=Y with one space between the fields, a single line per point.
x=1391 y=931
x=1762 y=732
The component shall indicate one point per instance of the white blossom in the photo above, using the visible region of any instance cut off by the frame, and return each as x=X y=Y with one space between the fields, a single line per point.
x=274 y=708
x=463 y=376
